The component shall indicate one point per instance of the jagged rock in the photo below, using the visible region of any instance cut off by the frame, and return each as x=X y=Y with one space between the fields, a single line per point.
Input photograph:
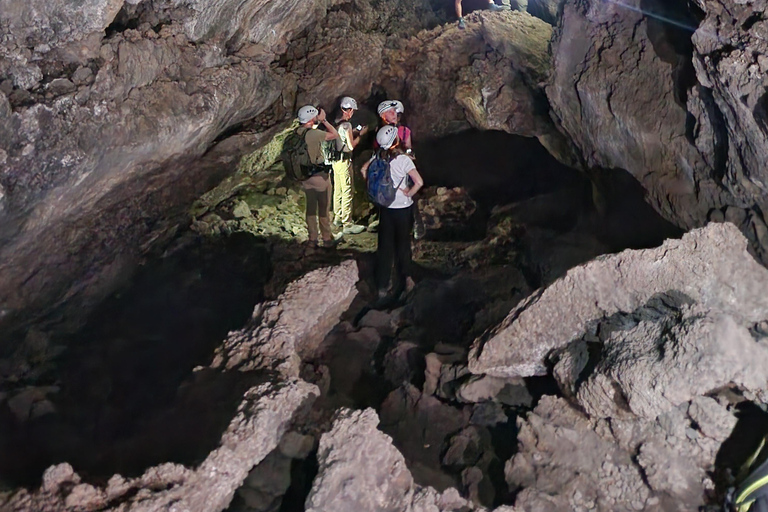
x=511 y=392
x=383 y=322
x=264 y=415
x=241 y=210
x=267 y=483
x=421 y=426
x=580 y=470
x=567 y=461
x=360 y=469
x=289 y=329
x=82 y=76
x=488 y=414
x=602 y=52
x=443 y=374
x=570 y=361
x=658 y=365
x=296 y=446
x=466 y=447
x=403 y=362
x=704 y=265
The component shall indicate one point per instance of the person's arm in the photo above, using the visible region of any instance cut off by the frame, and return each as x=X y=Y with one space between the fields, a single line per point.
x=364 y=169
x=331 y=132
x=355 y=140
x=417 y=183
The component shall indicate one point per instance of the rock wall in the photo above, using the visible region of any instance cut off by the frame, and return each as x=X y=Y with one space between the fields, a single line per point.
x=676 y=103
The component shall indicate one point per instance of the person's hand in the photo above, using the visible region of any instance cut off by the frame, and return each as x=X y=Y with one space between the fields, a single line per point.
x=364 y=130
x=321 y=115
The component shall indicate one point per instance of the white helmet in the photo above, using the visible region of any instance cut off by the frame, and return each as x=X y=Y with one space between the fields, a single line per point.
x=386 y=136
x=347 y=103
x=386 y=105
x=307 y=113
x=399 y=108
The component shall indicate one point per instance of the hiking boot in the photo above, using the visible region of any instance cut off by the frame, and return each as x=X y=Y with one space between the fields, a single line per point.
x=310 y=244
x=353 y=229
x=462 y=25
x=330 y=244
x=495 y=8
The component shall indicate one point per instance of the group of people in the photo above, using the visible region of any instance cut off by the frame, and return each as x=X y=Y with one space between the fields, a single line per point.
x=330 y=150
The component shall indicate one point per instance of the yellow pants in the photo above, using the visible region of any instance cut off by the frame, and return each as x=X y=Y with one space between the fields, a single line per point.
x=343 y=191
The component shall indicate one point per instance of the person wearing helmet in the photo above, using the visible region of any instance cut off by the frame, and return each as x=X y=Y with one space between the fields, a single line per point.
x=343 y=176
x=317 y=186
x=491 y=6
x=394 y=235
x=387 y=111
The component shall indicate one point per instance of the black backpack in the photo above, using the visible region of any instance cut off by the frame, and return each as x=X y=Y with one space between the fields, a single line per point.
x=295 y=155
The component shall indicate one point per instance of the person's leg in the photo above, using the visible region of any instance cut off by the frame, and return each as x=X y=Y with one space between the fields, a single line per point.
x=403 y=220
x=337 y=171
x=322 y=213
x=457 y=6
x=311 y=213
x=385 y=250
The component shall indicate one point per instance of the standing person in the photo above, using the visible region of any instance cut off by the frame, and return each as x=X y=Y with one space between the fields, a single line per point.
x=404 y=135
x=343 y=173
x=394 y=244
x=317 y=185
x=491 y=6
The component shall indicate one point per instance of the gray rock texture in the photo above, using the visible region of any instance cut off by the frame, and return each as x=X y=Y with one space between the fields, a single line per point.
x=613 y=91
x=567 y=461
x=710 y=265
x=360 y=469
x=656 y=366
x=684 y=115
x=264 y=415
x=291 y=328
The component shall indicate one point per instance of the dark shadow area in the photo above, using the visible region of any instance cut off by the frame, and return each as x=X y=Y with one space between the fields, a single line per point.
x=671 y=23
x=495 y=167
x=627 y=221
x=120 y=407
x=744 y=440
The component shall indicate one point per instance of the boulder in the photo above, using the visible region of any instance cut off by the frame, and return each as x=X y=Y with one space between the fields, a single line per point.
x=283 y=332
x=710 y=265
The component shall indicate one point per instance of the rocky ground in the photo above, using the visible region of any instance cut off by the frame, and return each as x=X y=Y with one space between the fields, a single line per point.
x=536 y=365
x=413 y=407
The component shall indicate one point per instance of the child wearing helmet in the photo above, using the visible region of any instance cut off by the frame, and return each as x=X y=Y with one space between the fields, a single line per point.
x=395 y=221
